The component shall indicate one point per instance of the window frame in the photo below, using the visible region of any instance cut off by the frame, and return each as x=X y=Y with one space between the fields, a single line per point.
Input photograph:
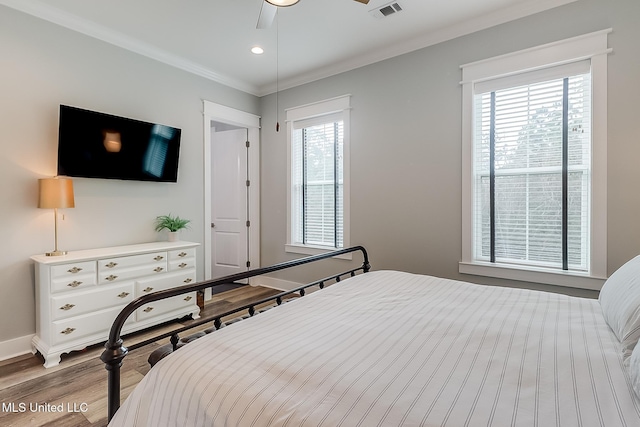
x=592 y=47
x=330 y=107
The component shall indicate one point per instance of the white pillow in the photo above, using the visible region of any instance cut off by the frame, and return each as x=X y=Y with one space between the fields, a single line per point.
x=634 y=370
x=620 y=303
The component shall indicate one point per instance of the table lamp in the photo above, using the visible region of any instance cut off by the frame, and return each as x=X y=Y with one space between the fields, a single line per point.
x=55 y=193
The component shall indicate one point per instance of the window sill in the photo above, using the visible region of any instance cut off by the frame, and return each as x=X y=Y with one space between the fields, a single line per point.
x=313 y=250
x=533 y=275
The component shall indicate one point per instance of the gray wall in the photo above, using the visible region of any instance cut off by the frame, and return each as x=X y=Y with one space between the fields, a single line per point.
x=406 y=143
x=43 y=65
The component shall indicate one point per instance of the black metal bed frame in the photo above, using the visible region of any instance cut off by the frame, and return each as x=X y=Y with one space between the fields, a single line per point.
x=115 y=351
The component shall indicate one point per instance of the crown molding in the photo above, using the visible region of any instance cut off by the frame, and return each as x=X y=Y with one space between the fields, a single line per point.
x=108 y=35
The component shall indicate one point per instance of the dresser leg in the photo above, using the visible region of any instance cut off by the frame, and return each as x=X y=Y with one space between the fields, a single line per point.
x=51 y=359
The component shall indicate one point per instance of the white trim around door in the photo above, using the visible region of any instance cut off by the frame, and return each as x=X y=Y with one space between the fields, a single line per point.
x=213 y=112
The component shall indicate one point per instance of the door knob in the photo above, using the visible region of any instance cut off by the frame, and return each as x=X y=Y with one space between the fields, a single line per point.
x=212 y=225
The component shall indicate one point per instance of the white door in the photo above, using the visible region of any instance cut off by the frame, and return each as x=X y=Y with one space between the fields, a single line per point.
x=229 y=206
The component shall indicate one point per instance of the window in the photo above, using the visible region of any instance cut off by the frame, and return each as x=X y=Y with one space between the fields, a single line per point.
x=532 y=179
x=535 y=164
x=317 y=136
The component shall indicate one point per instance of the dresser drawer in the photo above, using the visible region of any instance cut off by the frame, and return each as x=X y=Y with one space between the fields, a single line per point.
x=156 y=308
x=77 y=303
x=179 y=254
x=167 y=281
x=80 y=326
x=72 y=269
x=75 y=282
x=182 y=264
x=125 y=262
x=132 y=273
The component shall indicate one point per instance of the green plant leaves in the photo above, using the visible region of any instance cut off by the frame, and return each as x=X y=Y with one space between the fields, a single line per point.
x=171 y=223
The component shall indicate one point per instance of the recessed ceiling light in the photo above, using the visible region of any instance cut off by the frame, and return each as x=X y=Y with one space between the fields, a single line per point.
x=257 y=50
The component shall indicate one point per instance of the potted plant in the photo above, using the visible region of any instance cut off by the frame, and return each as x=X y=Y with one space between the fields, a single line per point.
x=172 y=223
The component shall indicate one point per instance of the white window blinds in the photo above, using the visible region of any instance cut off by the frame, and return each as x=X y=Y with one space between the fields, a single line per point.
x=317 y=180
x=532 y=168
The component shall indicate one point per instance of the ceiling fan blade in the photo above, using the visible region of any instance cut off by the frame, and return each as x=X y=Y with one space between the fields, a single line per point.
x=363 y=1
x=267 y=15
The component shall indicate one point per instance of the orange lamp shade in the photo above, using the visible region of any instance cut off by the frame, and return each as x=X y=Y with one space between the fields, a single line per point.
x=55 y=193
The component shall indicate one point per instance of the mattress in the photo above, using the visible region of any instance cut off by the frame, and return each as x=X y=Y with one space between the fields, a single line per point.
x=389 y=348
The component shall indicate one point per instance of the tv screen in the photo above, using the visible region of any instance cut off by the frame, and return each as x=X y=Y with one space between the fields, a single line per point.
x=98 y=145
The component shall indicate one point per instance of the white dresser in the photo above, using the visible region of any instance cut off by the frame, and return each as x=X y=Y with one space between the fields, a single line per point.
x=79 y=295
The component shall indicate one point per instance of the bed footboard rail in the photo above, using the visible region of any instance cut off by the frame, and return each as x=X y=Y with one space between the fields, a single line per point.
x=115 y=351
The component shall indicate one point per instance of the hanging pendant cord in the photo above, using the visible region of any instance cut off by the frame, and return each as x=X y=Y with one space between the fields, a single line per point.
x=248 y=188
x=277 y=69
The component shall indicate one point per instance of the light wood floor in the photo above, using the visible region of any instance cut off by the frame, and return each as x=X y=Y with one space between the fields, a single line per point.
x=30 y=395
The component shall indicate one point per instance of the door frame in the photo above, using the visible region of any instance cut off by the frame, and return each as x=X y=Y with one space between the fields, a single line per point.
x=213 y=112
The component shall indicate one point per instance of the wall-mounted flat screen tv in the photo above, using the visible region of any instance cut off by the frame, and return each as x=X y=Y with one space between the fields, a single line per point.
x=98 y=145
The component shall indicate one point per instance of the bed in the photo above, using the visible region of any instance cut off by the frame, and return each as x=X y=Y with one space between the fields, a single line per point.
x=390 y=348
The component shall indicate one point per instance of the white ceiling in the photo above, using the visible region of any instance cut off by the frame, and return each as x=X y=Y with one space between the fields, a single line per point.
x=315 y=38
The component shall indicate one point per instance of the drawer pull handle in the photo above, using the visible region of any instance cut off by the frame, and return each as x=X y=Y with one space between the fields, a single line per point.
x=111 y=264
x=147 y=289
x=111 y=278
x=182 y=254
x=75 y=270
x=74 y=284
x=158 y=258
x=67 y=307
x=187 y=280
x=182 y=265
x=158 y=269
x=67 y=331
x=148 y=309
x=123 y=294
x=188 y=298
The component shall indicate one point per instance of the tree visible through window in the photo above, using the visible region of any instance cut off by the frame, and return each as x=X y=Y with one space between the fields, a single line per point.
x=533 y=162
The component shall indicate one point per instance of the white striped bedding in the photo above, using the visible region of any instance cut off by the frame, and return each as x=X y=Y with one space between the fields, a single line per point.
x=396 y=349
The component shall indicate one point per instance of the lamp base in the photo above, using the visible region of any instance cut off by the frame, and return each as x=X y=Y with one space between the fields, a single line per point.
x=56 y=253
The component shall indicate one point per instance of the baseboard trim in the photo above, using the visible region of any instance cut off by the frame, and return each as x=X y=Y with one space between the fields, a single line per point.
x=274 y=283
x=15 y=347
